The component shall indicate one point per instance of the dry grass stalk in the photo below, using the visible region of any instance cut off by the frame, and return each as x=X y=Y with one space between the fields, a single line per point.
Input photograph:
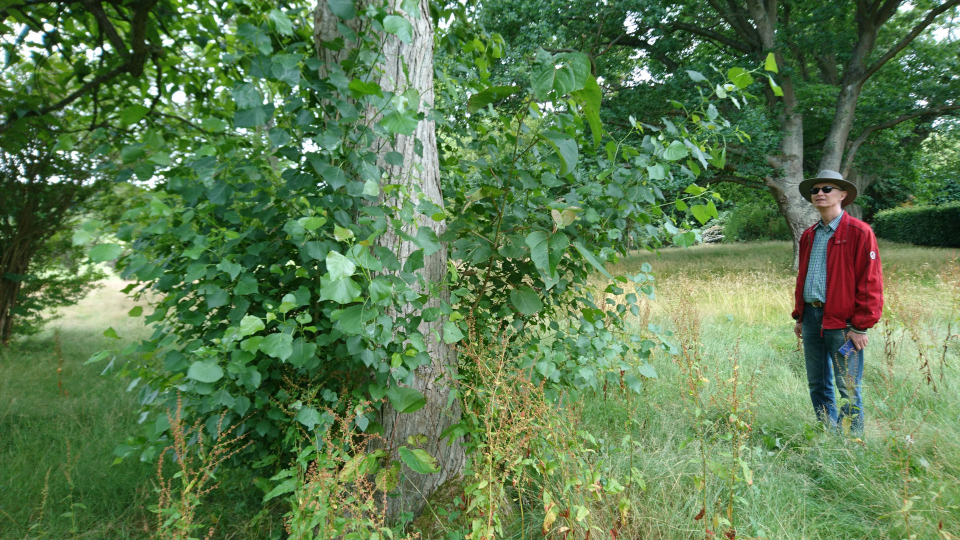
x=177 y=505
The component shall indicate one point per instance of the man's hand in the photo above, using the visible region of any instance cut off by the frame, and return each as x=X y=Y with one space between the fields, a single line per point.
x=859 y=340
x=798 y=330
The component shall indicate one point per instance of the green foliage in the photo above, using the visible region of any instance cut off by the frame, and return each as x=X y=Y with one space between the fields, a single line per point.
x=280 y=302
x=939 y=171
x=59 y=276
x=756 y=219
x=921 y=225
x=45 y=188
x=539 y=209
x=950 y=193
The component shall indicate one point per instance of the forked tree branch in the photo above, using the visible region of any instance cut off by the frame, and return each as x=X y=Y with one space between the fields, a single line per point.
x=906 y=40
x=855 y=145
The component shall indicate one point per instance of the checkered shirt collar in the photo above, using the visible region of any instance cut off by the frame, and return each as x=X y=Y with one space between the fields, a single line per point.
x=832 y=227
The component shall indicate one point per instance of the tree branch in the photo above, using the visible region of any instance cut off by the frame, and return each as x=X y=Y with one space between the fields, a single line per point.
x=182 y=120
x=902 y=44
x=738 y=19
x=855 y=146
x=753 y=184
x=628 y=40
x=106 y=26
x=714 y=36
x=134 y=58
x=70 y=98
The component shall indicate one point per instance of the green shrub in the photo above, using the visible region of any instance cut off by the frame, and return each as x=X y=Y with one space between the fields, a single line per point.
x=756 y=221
x=923 y=225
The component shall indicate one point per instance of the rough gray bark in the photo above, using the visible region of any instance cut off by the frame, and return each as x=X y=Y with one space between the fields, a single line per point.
x=408 y=66
x=788 y=165
x=799 y=213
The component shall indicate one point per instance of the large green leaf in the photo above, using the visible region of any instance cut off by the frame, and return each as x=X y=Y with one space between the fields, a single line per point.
x=490 y=95
x=402 y=122
x=564 y=79
x=205 y=371
x=286 y=68
x=131 y=153
x=526 y=300
x=579 y=65
x=398 y=26
x=592 y=259
x=700 y=212
x=589 y=98
x=451 y=333
x=740 y=77
x=771 y=63
x=419 y=460
x=342 y=291
x=343 y=8
x=359 y=88
x=340 y=267
x=566 y=148
x=279 y=346
x=558 y=247
x=217 y=297
x=406 y=400
x=133 y=114
x=250 y=117
x=247 y=96
x=539 y=243
x=676 y=151
x=105 y=252
x=696 y=76
x=309 y=417
x=427 y=240
x=250 y=325
x=247 y=285
x=281 y=22
x=542 y=79
x=303 y=351
x=353 y=318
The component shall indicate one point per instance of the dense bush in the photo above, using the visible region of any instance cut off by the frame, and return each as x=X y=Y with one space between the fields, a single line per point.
x=950 y=192
x=756 y=220
x=924 y=225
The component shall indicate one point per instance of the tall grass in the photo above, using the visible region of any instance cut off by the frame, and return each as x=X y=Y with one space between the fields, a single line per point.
x=901 y=481
x=725 y=434
x=58 y=431
x=60 y=421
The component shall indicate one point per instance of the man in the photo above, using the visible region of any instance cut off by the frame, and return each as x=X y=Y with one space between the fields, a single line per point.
x=839 y=296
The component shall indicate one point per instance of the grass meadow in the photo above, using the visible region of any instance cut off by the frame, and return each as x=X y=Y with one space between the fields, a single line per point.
x=725 y=437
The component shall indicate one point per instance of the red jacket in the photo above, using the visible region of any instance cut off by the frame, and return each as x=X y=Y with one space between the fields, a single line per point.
x=854 y=277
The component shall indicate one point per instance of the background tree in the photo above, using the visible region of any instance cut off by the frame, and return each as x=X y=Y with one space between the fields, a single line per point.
x=411 y=159
x=832 y=57
x=44 y=189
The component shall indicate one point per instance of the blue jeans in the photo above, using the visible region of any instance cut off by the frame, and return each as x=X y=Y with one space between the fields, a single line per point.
x=827 y=370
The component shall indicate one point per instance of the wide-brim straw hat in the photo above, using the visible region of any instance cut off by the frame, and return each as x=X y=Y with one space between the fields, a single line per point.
x=833 y=177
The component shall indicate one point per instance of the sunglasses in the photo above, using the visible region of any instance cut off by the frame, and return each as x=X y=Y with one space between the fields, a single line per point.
x=826 y=189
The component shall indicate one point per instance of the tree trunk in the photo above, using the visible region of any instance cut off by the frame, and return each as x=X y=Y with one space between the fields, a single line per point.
x=406 y=66
x=9 y=290
x=784 y=184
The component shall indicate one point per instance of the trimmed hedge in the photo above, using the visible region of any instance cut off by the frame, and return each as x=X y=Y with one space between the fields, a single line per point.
x=922 y=225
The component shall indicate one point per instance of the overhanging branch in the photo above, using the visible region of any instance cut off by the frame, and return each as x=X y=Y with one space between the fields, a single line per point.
x=906 y=40
x=734 y=179
x=855 y=146
x=133 y=58
x=716 y=37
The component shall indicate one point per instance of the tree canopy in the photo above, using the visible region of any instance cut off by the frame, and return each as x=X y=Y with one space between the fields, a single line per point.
x=847 y=73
